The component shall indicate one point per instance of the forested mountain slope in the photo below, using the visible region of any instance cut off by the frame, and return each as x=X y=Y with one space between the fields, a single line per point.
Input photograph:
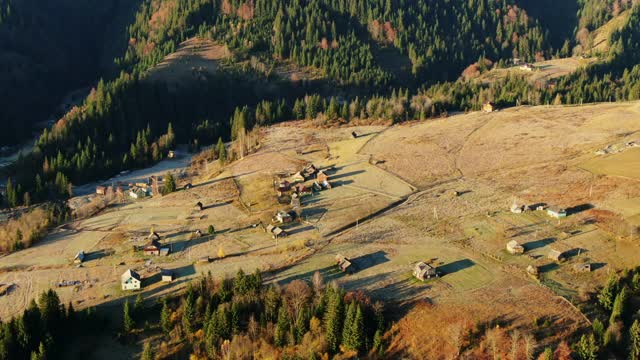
x=129 y=121
x=48 y=48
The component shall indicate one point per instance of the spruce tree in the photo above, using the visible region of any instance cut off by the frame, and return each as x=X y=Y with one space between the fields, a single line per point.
x=634 y=341
x=169 y=184
x=222 y=152
x=282 y=327
x=189 y=312
x=128 y=323
x=165 y=318
x=147 y=352
x=333 y=320
x=587 y=348
x=347 y=327
x=608 y=293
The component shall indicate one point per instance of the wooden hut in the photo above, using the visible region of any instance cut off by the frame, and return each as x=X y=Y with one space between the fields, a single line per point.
x=423 y=271
x=514 y=248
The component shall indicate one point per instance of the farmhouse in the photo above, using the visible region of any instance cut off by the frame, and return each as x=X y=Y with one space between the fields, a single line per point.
x=153 y=248
x=167 y=275
x=298 y=177
x=283 y=217
x=556 y=255
x=278 y=233
x=516 y=209
x=171 y=154
x=344 y=264
x=424 y=271
x=514 y=248
x=79 y=257
x=533 y=270
x=130 y=280
x=323 y=180
x=489 y=107
x=556 y=212
x=295 y=201
x=282 y=186
x=101 y=190
x=137 y=192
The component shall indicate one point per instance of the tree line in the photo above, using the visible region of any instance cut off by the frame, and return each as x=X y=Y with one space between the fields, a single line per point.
x=243 y=318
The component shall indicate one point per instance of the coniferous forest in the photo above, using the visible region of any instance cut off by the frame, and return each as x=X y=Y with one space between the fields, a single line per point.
x=404 y=56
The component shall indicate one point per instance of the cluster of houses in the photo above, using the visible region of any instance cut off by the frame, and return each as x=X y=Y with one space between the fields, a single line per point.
x=553 y=211
x=136 y=190
x=295 y=184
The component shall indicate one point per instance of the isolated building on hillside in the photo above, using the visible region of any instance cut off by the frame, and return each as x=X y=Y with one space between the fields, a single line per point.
x=101 y=190
x=527 y=67
x=556 y=212
x=130 y=280
x=199 y=206
x=79 y=257
x=423 y=271
x=153 y=248
x=344 y=264
x=295 y=201
x=556 y=255
x=278 y=233
x=514 y=248
x=489 y=106
x=167 y=275
x=533 y=270
x=323 y=180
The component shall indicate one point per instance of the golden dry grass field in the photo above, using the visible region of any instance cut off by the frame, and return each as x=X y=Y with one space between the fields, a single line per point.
x=437 y=191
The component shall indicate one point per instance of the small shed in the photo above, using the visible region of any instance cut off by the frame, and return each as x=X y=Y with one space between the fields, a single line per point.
x=556 y=255
x=516 y=209
x=533 y=270
x=514 y=248
x=282 y=186
x=199 y=206
x=556 y=212
x=582 y=267
x=323 y=180
x=278 y=233
x=344 y=264
x=79 y=258
x=298 y=177
x=101 y=190
x=354 y=135
x=423 y=271
x=489 y=106
x=197 y=233
x=167 y=275
x=165 y=251
x=153 y=236
x=171 y=154
x=188 y=186
x=204 y=259
x=309 y=171
x=130 y=280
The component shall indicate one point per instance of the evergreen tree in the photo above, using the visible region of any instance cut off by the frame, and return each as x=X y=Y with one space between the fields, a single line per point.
x=169 y=184
x=222 y=151
x=619 y=306
x=333 y=320
x=147 y=352
x=165 y=318
x=189 y=311
x=634 y=341
x=587 y=348
x=128 y=323
x=608 y=293
x=282 y=328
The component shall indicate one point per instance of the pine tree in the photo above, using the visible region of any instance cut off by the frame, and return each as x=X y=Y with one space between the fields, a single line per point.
x=12 y=196
x=189 y=312
x=147 y=352
x=608 y=293
x=587 y=348
x=165 y=318
x=222 y=152
x=634 y=341
x=169 y=184
x=129 y=324
x=282 y=327
x=333 y=320
x=618 y=306
x=347 y=327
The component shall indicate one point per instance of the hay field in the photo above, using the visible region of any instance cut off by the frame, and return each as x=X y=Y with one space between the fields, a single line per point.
x=625 y=164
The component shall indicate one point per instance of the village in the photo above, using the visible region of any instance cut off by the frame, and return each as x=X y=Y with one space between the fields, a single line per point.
x=425 y=211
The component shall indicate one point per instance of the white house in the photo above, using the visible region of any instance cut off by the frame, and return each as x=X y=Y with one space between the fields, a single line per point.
x=130 y=280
